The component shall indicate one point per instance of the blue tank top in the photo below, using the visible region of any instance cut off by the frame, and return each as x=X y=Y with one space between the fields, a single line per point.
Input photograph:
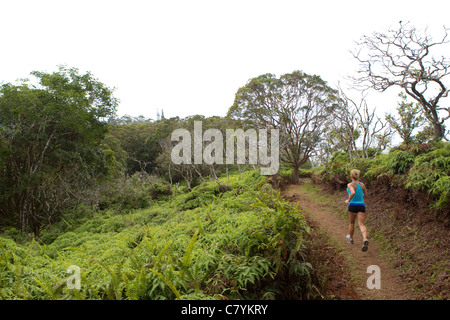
x=358 y=198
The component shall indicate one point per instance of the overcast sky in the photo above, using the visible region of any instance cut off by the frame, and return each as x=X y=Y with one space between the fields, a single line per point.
x=190 y=57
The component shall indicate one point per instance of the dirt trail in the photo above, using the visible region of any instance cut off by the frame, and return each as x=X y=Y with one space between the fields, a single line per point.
x=392 y=288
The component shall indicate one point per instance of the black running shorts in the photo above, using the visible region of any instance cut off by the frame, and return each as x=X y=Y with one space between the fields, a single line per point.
x=355 y=208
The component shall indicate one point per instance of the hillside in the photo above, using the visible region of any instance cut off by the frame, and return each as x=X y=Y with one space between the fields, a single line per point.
x=408 y=205
x=243 y=243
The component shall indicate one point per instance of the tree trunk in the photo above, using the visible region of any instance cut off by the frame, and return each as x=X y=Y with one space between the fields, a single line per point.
x=438 y=130
x=295 y=175
x=36 y=231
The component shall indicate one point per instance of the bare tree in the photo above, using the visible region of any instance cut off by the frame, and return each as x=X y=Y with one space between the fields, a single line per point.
x=376 y=133
x=355 y=128
x=342 y=133
x=402 y=58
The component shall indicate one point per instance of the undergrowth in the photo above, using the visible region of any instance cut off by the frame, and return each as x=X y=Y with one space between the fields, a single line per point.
x=418 y=168
x=243 y=243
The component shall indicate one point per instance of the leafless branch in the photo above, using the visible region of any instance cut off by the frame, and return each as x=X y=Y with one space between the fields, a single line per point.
x=402 y=58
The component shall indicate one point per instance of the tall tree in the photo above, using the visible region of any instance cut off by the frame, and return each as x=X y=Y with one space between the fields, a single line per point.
x=410 y=118
x=296 y=103
x=402 y=58
x=51 y=144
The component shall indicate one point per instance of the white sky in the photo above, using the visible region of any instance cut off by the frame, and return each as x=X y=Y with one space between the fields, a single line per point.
x=190 y=57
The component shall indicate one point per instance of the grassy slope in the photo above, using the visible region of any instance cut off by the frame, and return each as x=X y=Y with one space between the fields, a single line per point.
x=247 y=242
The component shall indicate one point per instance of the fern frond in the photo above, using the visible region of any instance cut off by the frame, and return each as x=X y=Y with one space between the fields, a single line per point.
x=167 y=282
x=187 y=256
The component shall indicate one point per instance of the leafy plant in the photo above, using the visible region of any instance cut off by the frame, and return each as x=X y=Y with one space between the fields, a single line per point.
x=245 y=242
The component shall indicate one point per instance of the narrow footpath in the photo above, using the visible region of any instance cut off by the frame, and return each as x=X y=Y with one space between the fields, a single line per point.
x=328 y=220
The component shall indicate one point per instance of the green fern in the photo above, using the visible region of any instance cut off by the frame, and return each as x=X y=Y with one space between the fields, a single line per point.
x=167 y=282
x=50 y=292
x=189 y=249
x=116 y=286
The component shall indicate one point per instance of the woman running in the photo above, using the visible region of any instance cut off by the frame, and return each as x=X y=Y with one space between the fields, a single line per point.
x=356 y=207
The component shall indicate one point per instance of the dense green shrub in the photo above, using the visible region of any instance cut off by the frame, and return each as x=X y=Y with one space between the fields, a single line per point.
x=419 y=167
x=135 y=192
x=431 y=173
x=244 y=242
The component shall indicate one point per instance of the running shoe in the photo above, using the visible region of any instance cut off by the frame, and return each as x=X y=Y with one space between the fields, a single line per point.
x=365 y=245
x=349 y=239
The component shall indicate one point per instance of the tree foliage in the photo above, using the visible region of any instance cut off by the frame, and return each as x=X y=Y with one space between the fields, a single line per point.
x=297 y=104
x=50 y=144
x=410 y=119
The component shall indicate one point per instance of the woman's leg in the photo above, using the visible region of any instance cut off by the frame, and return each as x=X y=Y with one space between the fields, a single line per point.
x=362 y=226
x=351 y=226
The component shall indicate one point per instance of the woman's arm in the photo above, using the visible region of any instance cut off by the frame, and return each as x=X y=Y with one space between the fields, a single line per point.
x=352 y=192
x=363 y=186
